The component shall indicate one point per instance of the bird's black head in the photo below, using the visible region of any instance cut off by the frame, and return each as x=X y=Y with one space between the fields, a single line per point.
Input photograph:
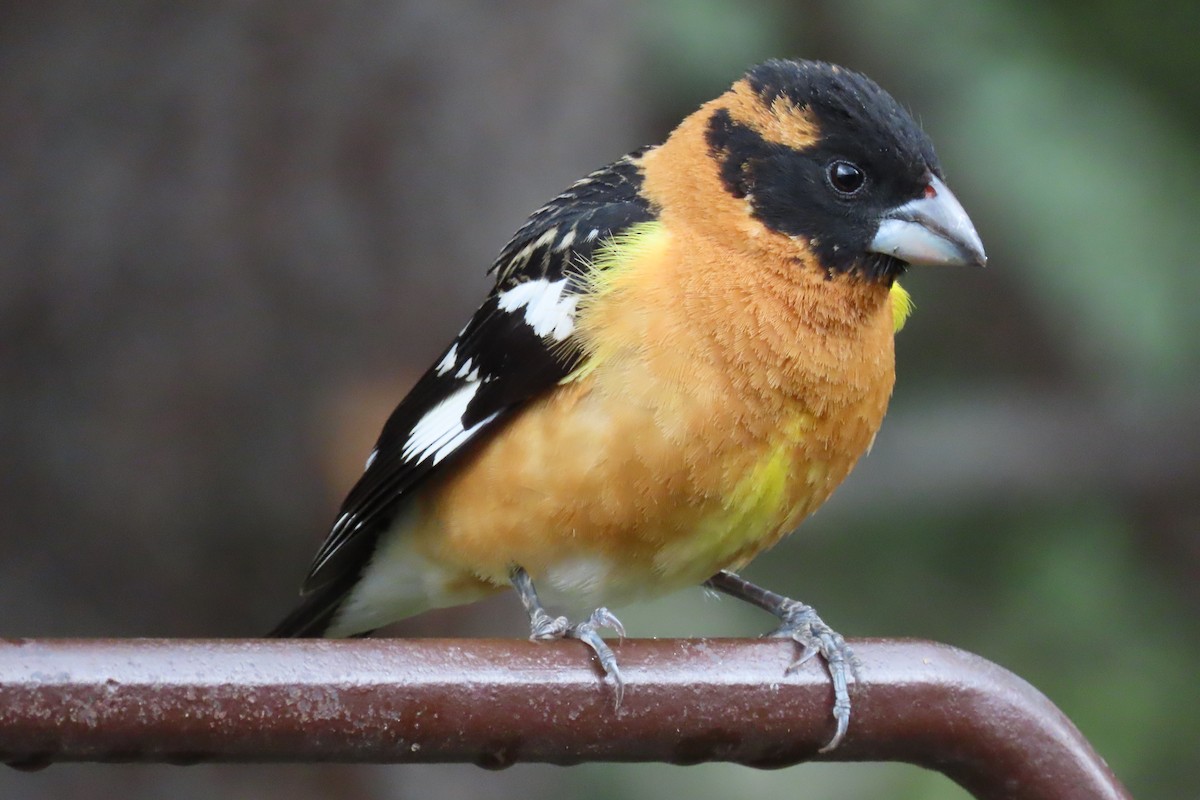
x=824 y=154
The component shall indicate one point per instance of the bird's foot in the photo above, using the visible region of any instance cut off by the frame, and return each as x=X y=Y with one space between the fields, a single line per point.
x=543 y=627
x=588 y=632
x=800 y=623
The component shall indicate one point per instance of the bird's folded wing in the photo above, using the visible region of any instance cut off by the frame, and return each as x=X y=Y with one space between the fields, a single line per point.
x=516 y=346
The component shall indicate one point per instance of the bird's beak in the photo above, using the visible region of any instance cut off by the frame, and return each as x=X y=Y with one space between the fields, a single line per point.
x=931 y=230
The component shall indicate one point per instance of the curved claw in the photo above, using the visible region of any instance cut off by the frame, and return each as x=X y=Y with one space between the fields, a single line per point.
x=807 y=652
x=587 y=633
x=841 y=715
x=603 y=618
x=837 y=657
x=802 y=625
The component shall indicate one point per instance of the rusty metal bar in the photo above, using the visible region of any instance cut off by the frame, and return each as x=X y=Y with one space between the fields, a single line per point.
x=498 y=702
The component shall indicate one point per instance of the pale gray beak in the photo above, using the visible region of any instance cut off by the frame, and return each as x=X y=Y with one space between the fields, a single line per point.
x=931 y=230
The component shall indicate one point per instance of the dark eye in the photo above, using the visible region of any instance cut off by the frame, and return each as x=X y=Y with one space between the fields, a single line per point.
x=846 y=178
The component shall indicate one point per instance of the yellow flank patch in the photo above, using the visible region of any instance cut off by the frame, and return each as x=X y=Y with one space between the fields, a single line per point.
x=613 y=257
x=902 y=306
x=609 y=271
x=751 y=515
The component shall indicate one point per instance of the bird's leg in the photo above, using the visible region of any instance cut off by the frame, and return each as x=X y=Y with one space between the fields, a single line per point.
x=801 y=624
x=543 y=626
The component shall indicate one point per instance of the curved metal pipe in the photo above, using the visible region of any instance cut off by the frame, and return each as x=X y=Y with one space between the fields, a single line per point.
x=498 y=702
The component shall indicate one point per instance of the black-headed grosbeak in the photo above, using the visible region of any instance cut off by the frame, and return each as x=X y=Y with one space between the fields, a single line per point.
x=684 y=354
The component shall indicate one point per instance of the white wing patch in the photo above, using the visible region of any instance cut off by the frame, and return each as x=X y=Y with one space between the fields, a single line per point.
x=447 y=362
x=546 y=308
x=466 y=371
x=440 y=432
x=462 y=438
x=547 y=311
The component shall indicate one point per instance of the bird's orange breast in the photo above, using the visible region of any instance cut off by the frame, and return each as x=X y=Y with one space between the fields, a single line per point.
x=720 y=401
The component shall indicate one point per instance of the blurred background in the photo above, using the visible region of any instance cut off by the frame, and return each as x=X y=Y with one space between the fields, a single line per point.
x=232 y=234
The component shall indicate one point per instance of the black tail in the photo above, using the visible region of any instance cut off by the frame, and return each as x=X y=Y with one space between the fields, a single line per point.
x=316 y=611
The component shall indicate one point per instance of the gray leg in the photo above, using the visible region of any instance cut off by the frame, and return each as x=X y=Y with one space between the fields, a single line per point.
x=801 y=624
x=543 y=626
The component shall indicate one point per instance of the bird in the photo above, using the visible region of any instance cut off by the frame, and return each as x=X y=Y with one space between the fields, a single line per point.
x=683 y=355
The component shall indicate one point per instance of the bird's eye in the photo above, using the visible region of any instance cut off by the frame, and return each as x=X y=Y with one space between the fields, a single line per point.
x=846 y=178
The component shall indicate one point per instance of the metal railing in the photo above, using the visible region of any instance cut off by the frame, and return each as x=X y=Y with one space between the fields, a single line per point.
x=499 y=702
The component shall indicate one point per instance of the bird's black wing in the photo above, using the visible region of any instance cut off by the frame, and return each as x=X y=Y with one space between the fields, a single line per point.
x=512 y=349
